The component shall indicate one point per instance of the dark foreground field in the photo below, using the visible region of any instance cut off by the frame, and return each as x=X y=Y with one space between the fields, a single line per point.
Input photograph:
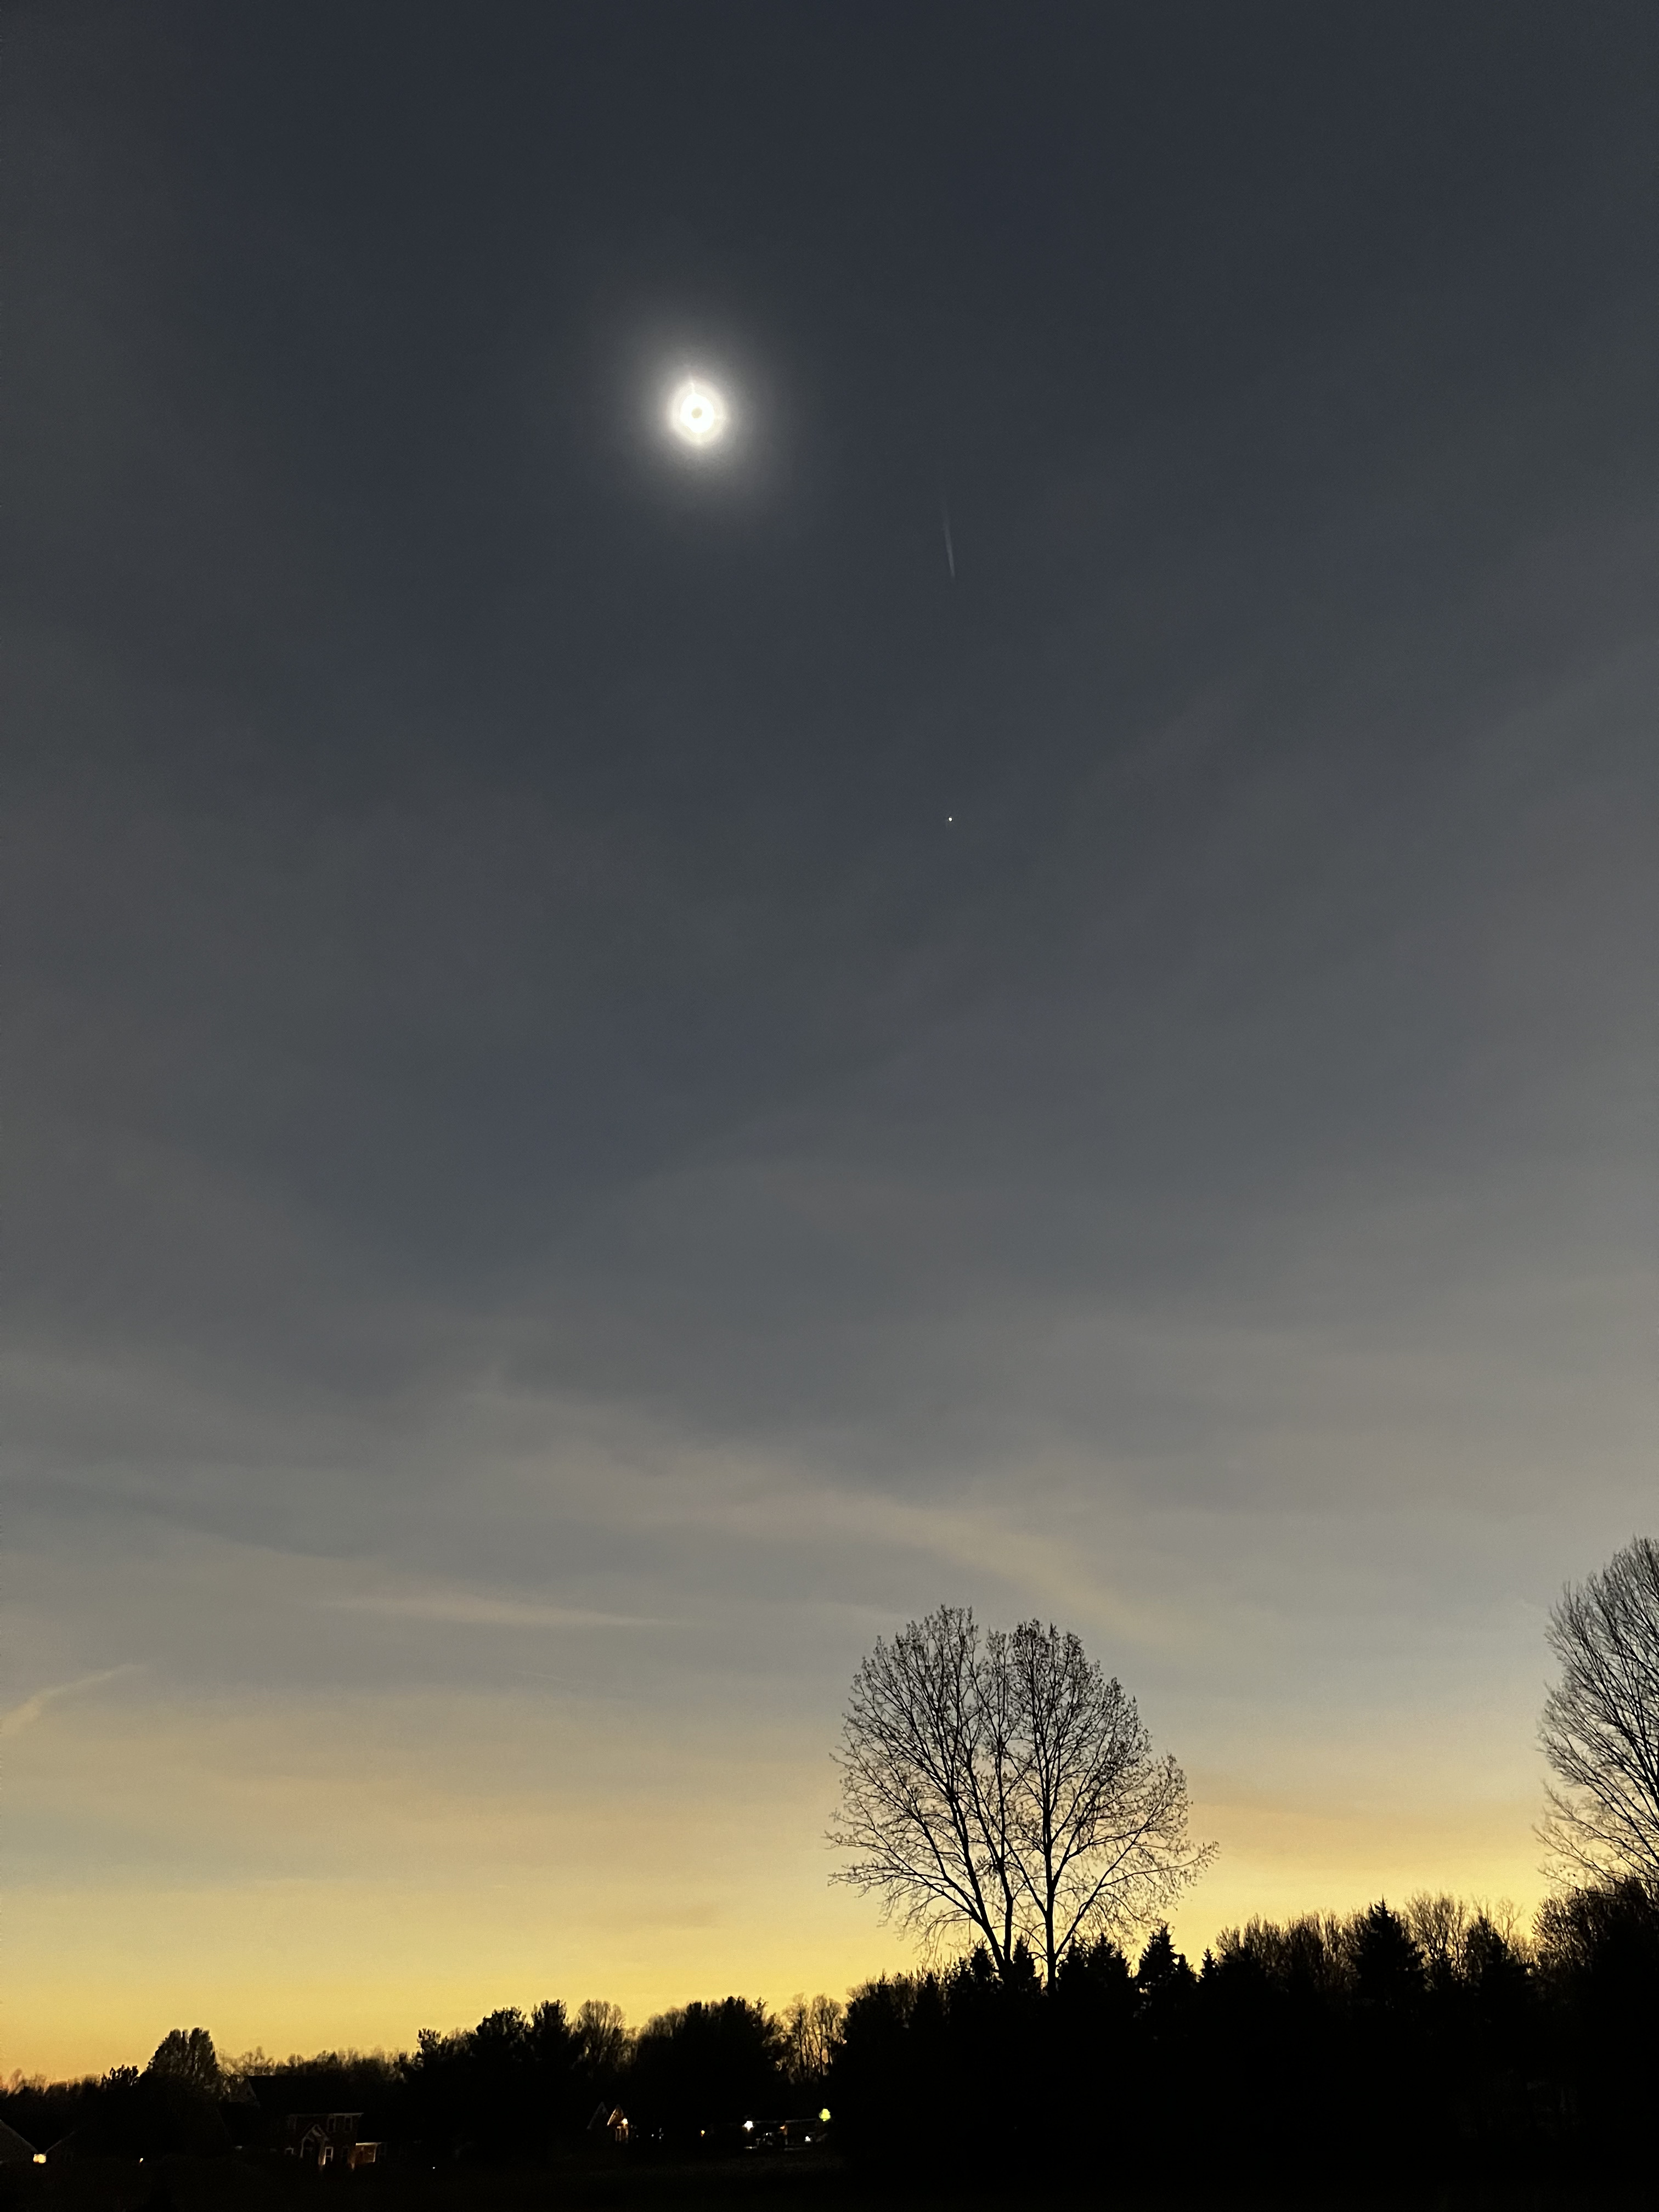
x=612 y=2184
x=808 y=2184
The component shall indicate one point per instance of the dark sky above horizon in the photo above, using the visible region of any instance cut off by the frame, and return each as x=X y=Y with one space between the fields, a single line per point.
x=614 y=1083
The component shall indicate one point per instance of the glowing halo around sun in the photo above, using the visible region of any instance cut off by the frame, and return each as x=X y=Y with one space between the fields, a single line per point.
x=698 y=415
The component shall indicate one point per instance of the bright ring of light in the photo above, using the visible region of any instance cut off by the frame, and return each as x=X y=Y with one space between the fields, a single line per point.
x=697 y=414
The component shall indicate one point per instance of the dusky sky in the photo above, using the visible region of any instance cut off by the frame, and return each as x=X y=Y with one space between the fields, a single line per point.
x=613 y=1083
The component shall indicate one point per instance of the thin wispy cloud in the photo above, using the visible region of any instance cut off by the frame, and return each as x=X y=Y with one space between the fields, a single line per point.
x=18 y=1718
x=478 y=1609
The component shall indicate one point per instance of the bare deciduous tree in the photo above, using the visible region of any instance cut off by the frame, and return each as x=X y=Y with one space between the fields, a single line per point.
x=1458 y=1940
x=812 y=2032
x=1002 y=1781
x=602 y=2037
x=1601 y=1725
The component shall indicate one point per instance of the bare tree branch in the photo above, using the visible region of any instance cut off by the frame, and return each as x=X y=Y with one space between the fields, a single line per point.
x=1001 y=1780
x=1600 y=1729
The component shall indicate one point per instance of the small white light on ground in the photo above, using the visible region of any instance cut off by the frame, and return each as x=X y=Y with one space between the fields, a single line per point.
x=697 y=413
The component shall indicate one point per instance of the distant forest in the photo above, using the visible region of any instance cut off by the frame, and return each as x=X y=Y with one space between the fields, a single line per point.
x=1437 y=2042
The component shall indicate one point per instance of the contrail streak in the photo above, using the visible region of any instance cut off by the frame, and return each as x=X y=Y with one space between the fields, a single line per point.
x=950 y=549
x=25 y=1715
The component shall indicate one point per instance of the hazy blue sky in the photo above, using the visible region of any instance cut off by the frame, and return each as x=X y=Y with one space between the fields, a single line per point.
x=612 y=1083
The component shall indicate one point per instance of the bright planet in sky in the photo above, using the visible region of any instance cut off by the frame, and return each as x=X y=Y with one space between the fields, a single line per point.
x=697 y=413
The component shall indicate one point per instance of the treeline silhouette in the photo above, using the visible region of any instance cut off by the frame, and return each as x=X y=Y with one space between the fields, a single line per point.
x=1435 y=2042
x=520 y=2087
x=1432 y=2042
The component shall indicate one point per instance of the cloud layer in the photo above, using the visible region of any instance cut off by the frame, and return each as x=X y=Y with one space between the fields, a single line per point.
x=614 y=1082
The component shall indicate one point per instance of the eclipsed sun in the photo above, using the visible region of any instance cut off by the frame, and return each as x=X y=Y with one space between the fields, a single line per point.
x=697 y=414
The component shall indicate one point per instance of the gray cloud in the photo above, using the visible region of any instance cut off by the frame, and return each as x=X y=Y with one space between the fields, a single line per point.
x=522 y=1117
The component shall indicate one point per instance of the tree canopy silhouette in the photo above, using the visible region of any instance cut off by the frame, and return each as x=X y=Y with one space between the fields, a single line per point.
x=1600 y=1722
x=186 y=2056
x=999 y=1782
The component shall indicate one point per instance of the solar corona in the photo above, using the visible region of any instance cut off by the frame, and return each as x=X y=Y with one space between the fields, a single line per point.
x=698 y=415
